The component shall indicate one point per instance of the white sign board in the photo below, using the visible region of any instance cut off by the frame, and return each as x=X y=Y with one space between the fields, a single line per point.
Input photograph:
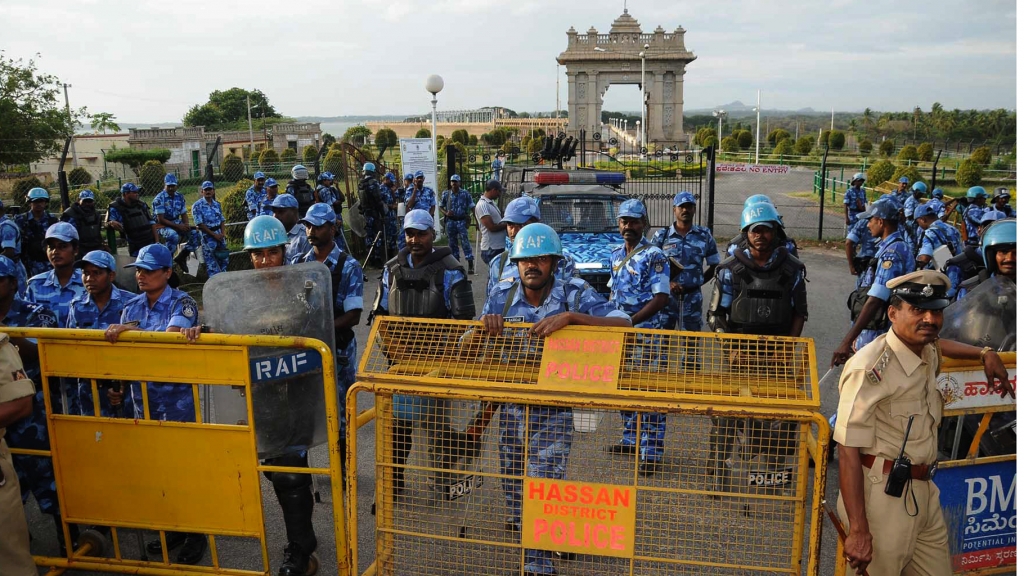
x=969 y=389
x=418 y=154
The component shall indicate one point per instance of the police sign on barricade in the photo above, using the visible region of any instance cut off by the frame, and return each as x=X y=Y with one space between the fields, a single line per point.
x=552 y=488
x=977 y=479
x=155 y=475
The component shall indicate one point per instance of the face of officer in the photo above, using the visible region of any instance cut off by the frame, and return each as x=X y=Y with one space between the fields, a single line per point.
x=761 y=236
x=876 y=226
x=272 y=191
x=171 y=189
x=260 y=182
x=407 y=182
x=420 y=242
x=536 y=272
x=209 y=194
x=512 y=228
x=632 y=229
x=97 y=280
x=8 y=288
x=1001 y=201
x=39 y=205
x=915 y=326
x=61 y=253
x=903 y=186
x=320 y=236
x=1006 y=261
x=419 y=182
x=455 y=185
x=152 y=281
x=684 y=214
x=87 y=204
x=287 y=216
x=131 y=197
x=267 y=257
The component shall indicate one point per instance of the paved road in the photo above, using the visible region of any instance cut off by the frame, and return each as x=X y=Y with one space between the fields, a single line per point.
x=828 y=285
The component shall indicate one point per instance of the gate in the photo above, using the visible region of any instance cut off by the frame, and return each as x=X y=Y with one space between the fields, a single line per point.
x=456 y=494
x=131 y=475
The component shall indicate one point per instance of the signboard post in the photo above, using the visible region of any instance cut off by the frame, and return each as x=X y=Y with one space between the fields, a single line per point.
x=418 y=154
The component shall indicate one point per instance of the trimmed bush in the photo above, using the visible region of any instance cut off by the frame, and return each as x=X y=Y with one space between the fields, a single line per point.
x=269 y=160
x=461 y=136
x=709 y=140
x=730 y=144
x=334 y=162
x=836 y=140
x=969 y=173
x=289 y=156
x=233 y=168
x=886 y=148
x=823 y=138
x=151 y=177
x=22 y=186
x=233 y=205
x=804 y=145
x=423 y=133
x=79 y=177
x=778 y=135
x=534 y=144
x=907 y=153
x=784 y=147
x=386 y=138
x=613 y=151
x=925 y=152
x=982 y=156
x=745 y=139
x=879 y=172
x=909 y=171
x=473 y=140
x=865 y=146
x=309 y=154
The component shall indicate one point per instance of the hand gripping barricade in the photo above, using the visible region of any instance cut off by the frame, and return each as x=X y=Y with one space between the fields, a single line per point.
x=288 y=383
x=134 y=475
x=537 y=486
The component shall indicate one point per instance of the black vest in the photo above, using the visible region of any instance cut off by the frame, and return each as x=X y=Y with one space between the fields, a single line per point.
x=762 y=300
x=137 y=223
x=33 y=236
x=419 y=292
x=304 y=194
x=342 y=336
x=90 y=228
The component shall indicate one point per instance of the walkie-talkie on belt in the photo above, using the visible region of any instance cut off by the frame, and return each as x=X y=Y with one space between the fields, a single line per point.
x=900 y=472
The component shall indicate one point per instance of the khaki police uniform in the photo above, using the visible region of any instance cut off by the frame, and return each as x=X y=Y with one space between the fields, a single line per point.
x=882 y=385
x=15 y=558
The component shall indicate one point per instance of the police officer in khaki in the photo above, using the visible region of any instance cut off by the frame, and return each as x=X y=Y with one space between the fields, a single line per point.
x=899 y=529
x=16 y=392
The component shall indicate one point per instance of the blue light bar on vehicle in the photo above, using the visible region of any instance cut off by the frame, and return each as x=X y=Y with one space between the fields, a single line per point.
x=579 y=177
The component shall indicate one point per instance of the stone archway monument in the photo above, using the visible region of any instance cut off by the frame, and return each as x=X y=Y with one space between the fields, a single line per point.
x=593 y=62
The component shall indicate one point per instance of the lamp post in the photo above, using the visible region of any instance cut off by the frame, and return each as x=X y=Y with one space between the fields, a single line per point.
x=434 y=85
x=719 y=114
x=638 y=133
x=757 y=135
x=642 y=136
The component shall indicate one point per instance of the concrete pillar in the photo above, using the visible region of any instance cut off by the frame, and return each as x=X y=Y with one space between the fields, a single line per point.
x=655 y=123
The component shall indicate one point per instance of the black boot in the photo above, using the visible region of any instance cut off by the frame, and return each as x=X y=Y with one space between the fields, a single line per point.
x=182 y=258
x=193 y=550
x=298 y=562
x=62 y=545
x=297 y=510
x=174 y=539
x=472 y=269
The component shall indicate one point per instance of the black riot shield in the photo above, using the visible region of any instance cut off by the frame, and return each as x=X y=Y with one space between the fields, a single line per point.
x=287 y=383
x=986 y=316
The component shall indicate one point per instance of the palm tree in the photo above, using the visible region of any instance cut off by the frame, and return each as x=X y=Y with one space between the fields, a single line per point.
x=103 y=121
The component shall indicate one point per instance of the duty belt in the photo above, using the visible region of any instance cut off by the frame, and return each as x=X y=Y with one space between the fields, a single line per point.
x=917 y=471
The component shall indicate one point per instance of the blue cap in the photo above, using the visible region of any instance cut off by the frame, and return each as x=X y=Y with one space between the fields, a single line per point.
x=271 y=182
x=419 y=174
x=924 y=210
x=129 y=187
x=207 y=185
x=152 y=257
x=319 y=214
x=170 y=180
x=991 y=216
x=904 y=180
x=882 y=208
x=455 y=178
x=8 y=269
x=632 y=208
x=390 y=176
x=521 y=210
x=284 y=201
x=418 y=219
x=100 y=258
x=62 y=231
x=408 y=175
x=259 y=175
x=684 y=198
x=86 y=195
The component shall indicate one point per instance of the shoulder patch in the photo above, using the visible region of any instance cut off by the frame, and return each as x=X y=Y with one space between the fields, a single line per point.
x=659 y=267
x=887 y=264
x=876 y=371
x=188 y=307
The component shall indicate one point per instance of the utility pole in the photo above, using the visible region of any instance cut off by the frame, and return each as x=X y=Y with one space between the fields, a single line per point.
x=252 y=142
x=832 y=126
x=67 y=108
x=757 y=135
x=558 y=91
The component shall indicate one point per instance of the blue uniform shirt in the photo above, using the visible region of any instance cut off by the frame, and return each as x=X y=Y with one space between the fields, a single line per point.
x=348 y=294
x=10 y=235
x=83 y=312
x=460 y=204
x=44 y=289
x=861 y=237
x=637 y=277
x=255 y=202
x=972 y=217
x=451 y=277
x=328 y=195
x=509 y=273
x=895 y=258
x=208 y=213
x=850 y=199
x=937 y=235
x=909 y=205
x=425 y=199
x=692 y=251
x=171 y=207
x=298 y=244
x=573 y=295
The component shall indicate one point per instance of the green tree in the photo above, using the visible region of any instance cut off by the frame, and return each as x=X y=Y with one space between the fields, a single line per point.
x=135 y=158
x=969 y=173
x=473 y=140
x=103 y=121
x=461 y=136
x=909 y=171
x=907 y=153
x=21 y=187
x=823 y=138
x=233 y=204
x=269 y=160
x=982 y=155
x=208 y=115
x=33 y=122
x=386 y=138
x=745 y=139
x=309 y=154
x=702 y=135
x=289 y=156
x=777 y=135
x=151 y=177
x=865 y=146
x=423 y=133
x=334 y=162
x=886 y=148
x=227 y=108
x=79 y=177
x=784 y=147
x=836 y=140
x=804 y=145
x=709 y=140
x=879 y=172
x=233 y=168
x=357 y=135
x=534 y=145
x=329 y=138
x=730 y=144
x=925 y=151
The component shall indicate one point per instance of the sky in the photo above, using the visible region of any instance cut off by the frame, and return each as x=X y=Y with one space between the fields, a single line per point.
x=150 y=60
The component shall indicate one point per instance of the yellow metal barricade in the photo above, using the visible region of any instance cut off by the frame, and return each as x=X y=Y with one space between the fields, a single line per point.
x=471 y=429
x=143 y=474
x=977 y=492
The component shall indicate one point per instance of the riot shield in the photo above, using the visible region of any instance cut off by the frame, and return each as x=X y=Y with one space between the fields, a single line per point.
x=125 y=277
x=287 y=383
x=986 y=316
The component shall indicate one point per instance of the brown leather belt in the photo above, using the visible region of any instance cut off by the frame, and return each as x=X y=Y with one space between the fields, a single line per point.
x=917 y=471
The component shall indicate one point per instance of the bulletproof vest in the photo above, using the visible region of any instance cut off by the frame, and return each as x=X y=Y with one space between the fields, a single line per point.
x=33 y=235
x=370 y=197
x=969 y=261
x=762 y=298
x=303 y=193
x=90 y=228
x=342 y=336
x=136 y=221
x=419 y=292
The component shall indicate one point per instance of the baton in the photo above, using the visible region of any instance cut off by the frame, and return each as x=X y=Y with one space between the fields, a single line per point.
x=839 y=527
x=825 y=377
x=372 y=245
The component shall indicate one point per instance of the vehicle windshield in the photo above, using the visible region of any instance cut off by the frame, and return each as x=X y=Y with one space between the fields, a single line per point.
x=581 y=213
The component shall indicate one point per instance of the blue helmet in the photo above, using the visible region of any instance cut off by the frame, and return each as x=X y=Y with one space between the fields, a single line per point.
x=976 y=192
x=38 y=194
x=129 y=188
x=536 y=239
x=919 y=188
x=299 y=172
x=170 y=180
x=904 y=180
x=264 y=232
x=755 y=199
x=859 y=176
x=369 y=167
x=1001 y=233
x=938 y=193
x=759 y=213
